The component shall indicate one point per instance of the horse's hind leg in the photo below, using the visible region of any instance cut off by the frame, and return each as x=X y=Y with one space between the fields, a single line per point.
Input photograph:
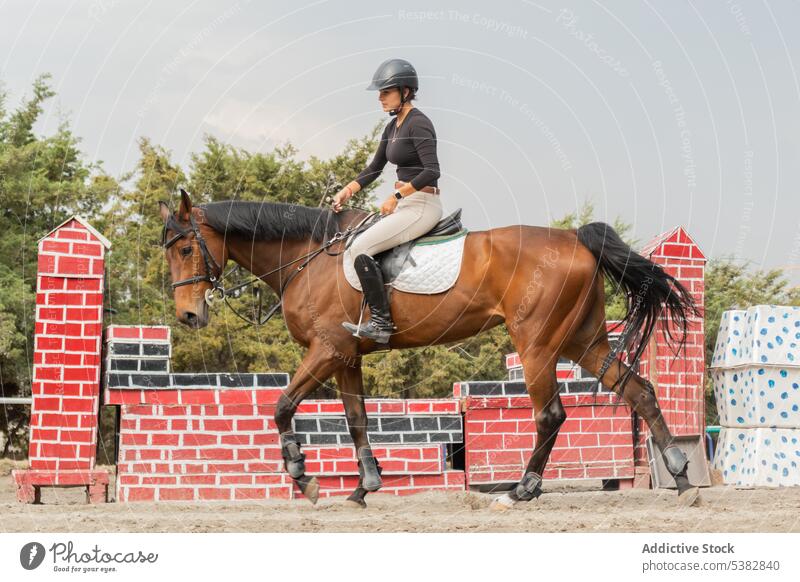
x=351 y=389
x=640 y=396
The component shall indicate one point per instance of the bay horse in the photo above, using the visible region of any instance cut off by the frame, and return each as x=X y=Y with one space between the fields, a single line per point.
x=545 y=284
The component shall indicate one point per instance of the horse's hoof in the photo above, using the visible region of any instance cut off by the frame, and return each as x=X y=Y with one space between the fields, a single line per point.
x=690 y=497
x=356 y=503
x=502 y=503
x=309 y=488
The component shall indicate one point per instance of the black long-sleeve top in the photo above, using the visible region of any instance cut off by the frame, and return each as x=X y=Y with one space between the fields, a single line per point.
x=412 y=148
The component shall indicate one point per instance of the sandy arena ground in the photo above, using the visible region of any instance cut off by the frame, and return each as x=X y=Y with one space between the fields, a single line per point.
x=564 y=507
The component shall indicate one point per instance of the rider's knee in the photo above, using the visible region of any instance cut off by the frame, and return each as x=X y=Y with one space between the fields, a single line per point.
x=356 y=251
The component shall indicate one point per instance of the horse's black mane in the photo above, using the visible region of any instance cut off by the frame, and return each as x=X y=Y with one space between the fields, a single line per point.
x=271 y=220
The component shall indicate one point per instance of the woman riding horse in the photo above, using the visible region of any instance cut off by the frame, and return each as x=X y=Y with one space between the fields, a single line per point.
x=547 y=285
x=409 y=141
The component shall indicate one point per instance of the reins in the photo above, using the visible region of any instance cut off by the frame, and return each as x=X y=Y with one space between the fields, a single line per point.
x=219 y=292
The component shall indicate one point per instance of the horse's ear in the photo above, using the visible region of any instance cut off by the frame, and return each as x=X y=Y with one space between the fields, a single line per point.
x=165 y=211
x=185 y=209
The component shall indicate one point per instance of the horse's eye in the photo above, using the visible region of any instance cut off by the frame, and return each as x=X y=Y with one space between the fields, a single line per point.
x=186 y=251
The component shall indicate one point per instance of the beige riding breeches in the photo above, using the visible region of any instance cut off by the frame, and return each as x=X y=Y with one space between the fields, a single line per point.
x=415 y=215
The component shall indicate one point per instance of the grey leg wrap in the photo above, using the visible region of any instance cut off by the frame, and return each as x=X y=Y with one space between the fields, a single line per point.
x=529 y=487
x=368 y=470
x=292 y=457
x=676 y=460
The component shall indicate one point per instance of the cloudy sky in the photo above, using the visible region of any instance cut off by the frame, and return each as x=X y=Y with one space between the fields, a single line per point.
x=662 y=113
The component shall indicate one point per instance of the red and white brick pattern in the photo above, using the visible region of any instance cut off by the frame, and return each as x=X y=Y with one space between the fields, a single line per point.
x=594 y=442
x=66 y=363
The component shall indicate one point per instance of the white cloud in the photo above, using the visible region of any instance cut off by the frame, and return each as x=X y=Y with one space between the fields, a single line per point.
x=261 y=126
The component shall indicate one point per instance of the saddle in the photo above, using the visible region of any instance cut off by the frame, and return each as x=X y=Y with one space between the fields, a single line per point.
x=393 y=260
x=427 y=264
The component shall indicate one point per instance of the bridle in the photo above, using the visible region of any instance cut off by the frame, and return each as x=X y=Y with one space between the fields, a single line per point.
x=208 y=258
x=218 y=292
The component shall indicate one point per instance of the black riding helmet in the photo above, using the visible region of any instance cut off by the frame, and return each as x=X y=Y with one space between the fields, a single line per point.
x=395 y=73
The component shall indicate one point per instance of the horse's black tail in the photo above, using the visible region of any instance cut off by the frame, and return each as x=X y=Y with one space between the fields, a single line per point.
x=648 y=288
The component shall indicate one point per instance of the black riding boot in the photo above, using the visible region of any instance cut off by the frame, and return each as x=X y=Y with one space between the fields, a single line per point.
x=380 y=326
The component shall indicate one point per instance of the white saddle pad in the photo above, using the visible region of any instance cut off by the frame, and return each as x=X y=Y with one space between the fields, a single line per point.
x=429 y=269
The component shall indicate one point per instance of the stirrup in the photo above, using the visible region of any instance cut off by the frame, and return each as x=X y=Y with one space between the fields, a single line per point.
x=377 y=328
x=369 y=330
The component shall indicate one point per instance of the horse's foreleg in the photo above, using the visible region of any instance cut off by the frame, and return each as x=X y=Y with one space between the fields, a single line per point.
x=351 y=388
x=317 y=366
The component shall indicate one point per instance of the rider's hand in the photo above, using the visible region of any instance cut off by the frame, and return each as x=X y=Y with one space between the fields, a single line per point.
x=341 y=197
x=389 y=205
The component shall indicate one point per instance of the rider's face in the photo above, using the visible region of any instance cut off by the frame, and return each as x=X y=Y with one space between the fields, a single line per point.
x=390 y=98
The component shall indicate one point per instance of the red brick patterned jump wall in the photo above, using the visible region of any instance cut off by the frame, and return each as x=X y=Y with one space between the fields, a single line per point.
x=595 y=442
x=201 y=437
x=66 y=364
